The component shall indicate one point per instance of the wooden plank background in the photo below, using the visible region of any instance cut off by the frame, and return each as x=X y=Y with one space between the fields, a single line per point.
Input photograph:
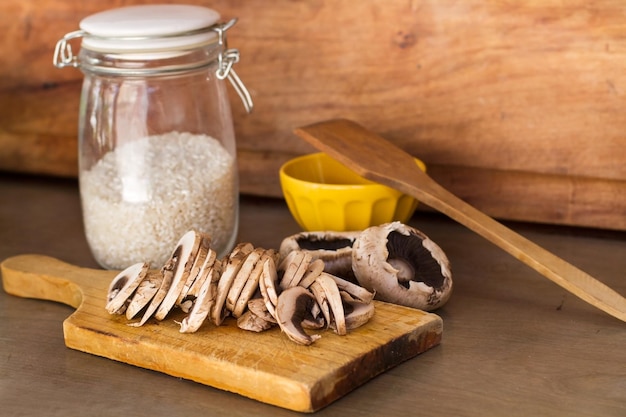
x=517 y=107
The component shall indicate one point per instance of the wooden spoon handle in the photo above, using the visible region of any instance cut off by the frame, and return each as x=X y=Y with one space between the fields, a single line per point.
x=551 y=266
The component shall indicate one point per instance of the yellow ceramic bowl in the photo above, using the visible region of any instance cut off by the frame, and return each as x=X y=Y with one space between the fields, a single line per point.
x=323 y=194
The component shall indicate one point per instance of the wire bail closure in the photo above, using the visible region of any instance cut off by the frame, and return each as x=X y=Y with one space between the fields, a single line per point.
x=64 y=57
x=226 y=59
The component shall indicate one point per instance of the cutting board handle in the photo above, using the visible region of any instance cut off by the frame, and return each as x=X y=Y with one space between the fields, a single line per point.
x=48 y=278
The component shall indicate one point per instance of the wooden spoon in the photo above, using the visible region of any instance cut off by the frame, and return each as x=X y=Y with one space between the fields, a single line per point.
x=379 y=160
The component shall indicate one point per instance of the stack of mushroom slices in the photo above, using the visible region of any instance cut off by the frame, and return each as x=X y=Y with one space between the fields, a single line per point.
x=256 y=286
x=315 y=280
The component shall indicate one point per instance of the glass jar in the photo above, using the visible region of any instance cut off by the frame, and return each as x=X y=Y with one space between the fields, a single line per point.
x=157 y=151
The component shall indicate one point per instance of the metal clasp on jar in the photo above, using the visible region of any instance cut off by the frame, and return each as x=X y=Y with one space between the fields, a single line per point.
x=64 y=57
x=226 y=60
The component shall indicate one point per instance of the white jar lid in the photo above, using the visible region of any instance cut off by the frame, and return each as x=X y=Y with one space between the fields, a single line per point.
x=162 y=27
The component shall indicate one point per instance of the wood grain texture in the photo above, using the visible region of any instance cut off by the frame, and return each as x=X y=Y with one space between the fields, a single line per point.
x=263 y=366
x=528 y=88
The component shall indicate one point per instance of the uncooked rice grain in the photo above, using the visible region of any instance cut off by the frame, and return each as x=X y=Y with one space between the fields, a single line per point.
x=139 y=199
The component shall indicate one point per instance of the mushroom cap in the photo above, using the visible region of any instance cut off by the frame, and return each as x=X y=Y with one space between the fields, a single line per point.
x=334 y=248
x=403 y=266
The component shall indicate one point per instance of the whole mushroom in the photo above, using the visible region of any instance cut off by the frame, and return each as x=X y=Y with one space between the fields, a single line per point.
x=402 y=266
x=334 y=248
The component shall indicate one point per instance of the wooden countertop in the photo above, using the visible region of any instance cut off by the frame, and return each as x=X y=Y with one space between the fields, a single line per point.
x=514 y=344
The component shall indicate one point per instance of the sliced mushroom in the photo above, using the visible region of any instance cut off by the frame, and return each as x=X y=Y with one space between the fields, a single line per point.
x=292 y=268
x=334 y=248
x=168 y=273
x=144 y=293
x=403 y=266
x=123 y=286
x=322 y=301
x=297 y=294
x=316 y=267
x=242 y=277
x=231 y=267
x=356 y=291
x=252 y=284
x=204 y=303
x=184 y=257
x=357 y=313
x=242 y=248
x=251 y=322
x=335 y=303
x=294 y=305
x=258 y=307
x=186 y=304
x=205 y=254
x=315 y=320
x=268 y=286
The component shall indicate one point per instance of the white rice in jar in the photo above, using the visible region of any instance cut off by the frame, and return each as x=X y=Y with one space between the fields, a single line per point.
x=139 y=199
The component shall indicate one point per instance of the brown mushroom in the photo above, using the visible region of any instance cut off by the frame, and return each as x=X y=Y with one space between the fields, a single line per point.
x=251 y=322
x=187 y=302
x=338 y=320
x=123 y=286
x=144 y=293
x=355 y=290
x=334 y=248
x=403 y=266
x=258 y=307
x=357 y=313
x=316 y=267
x=204 y=303
x=184 y=256
x=168 y=272
x=252 y=284
x=322 y=301
x=292 y=268
x=231 y=268
x=294 y=305
x=268 y=286
x=204 y=259
x=249 y=264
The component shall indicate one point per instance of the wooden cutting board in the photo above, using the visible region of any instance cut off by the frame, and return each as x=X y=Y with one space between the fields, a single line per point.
x=263 y=366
